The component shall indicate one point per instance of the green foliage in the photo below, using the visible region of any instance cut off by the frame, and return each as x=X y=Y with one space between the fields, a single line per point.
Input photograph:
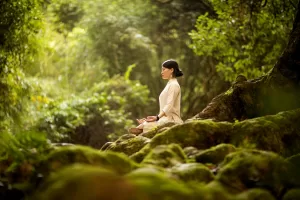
x=135 y=95
x=108 y=107
x=22 y=144
x=128 y=71
x=128 y=44
x=63 y=117
x=19 y=22
x=19 y=155
x=243 y=40
x=65 y=14
x=14 y=90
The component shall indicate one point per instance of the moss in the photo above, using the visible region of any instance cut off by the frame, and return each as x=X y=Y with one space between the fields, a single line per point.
x=293 y=194
x=140 y=155
x=214 y=190
x=149 y=170
x=252 y=168
x=77 y=182
x=124 y=138
x=201 y=134
x=190 y=151
x=129 y=146
x=165 y=156
x=279 y=133
x=229 y=92
x=258 y=133
x=215 y=154
x=193 y=172
x=158 y=129
x=255 y=194
x=79 y=154
x=295 y=161
x=159 y=186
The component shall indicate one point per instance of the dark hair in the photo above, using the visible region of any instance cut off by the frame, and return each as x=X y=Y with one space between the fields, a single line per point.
x=173 y=64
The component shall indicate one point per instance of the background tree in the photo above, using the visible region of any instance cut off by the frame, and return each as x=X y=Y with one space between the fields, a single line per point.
x=244 y=38
x=19 y=22
x=276 y=91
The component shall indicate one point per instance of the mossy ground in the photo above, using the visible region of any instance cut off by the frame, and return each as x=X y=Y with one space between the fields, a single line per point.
x=240 y=160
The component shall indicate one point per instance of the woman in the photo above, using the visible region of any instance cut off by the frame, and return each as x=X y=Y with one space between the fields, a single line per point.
x=169 y=100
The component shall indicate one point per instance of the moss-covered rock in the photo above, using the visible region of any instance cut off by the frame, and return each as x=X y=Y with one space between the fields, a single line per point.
x=201 y=134
x=129 y=146
x=295 y=161
x=279 y=133
x=158 y=129
x=190 y=151
x=293 y=194
x=192 y=172
x=211 y=191
x=215 y=154
x=159 y=186
x=124 y=137
x=78 y=182
x=256 y=169
x=255 y=194
x=79 y=154
x=165 y=156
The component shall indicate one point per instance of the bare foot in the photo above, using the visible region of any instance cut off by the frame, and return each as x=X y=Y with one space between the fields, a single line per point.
x=135 y=131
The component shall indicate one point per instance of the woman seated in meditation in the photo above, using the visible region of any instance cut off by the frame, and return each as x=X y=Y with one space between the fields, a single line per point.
x=169 y=100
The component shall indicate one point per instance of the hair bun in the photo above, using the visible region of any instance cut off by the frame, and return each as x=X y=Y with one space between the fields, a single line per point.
x=178 y=73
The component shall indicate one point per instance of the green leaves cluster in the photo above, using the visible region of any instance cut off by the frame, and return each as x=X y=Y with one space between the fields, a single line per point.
x=19 y=22
x=108 y=107
x=245 y=38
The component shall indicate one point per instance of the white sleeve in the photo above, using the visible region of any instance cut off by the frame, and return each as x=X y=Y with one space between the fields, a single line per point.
x=172 y=94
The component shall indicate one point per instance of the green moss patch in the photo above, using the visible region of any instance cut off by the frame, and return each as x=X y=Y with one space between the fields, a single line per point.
x=130 y=145
x=216 y=154
x=165 y=156
x=255 y=194
x=293 y=194
x=78 y=182
x=79 y=154
x=192 y=172
x=256 y=169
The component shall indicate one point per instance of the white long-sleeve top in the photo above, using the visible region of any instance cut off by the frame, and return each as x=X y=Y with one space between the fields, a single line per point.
x=169 y=102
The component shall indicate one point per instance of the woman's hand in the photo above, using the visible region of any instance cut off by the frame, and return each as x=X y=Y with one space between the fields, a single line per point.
x=151 y=119
x=140 y=121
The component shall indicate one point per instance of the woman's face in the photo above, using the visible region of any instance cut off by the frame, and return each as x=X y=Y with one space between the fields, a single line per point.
x=166 y=73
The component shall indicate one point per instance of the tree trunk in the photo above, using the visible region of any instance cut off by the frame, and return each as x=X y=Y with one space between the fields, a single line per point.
x=276 y=91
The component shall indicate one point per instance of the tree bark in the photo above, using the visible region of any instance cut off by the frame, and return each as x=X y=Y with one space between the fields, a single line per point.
x=276 y=91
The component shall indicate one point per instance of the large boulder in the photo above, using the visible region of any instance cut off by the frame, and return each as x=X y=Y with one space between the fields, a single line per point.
x=165 y=156
x=279 y=133
x=65 y=156
x=160 y=186
x=78 y=182
x=255 y=194
x=216 y=154
x=293 y=194
x=200 y=134
x=192 y=172
x=247 y=169
x=130 y=145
